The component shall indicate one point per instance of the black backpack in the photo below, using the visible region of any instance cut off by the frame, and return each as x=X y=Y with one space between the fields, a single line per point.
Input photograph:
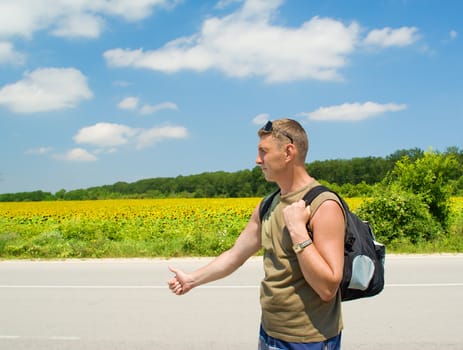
x=363 y=274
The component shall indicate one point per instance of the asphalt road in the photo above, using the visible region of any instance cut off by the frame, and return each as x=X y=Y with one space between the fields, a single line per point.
x=125 y=304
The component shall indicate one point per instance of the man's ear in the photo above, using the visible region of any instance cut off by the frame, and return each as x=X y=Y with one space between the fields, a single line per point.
x=290 y=151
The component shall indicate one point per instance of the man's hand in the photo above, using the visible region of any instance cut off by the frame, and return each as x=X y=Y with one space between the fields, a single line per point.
x=180 y=283
x=296 y=217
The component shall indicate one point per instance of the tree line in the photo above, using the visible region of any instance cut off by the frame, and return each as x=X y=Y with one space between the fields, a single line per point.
x=350 y=177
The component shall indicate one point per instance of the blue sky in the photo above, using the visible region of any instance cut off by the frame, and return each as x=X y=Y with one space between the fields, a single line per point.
x=98 y=91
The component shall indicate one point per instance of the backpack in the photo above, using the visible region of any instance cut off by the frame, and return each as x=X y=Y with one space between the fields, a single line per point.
x=363 y=274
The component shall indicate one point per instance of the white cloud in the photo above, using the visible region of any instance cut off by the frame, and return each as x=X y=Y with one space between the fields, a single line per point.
x=225 y=3
x=109 y=136
x=149 y=136
x=453 y=34
x=82 y=18
x=149 y=109
x=132 y=103
x=39 y=150
x=388 y=37
x=105 y=135
x=246 y=43
x=79 y=25
x=128 y=103
x=352 y=111
x=73 y=155
x=129 y=9
x=78 y=155
x=9 y=55
x=260 y=119
x=46 y=89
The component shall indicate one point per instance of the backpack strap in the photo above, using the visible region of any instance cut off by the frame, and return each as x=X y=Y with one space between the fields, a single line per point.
x=308 y=198
x=317 y=190
x=266 y=203
x=314 y=192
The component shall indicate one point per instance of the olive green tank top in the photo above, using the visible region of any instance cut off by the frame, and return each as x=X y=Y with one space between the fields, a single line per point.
x=291 y=310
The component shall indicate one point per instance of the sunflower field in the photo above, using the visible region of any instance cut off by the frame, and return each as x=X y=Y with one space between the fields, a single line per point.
x=121 y=228
x=127 y=228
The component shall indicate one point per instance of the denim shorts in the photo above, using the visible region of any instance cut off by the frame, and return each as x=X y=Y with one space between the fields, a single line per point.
x=267 y=342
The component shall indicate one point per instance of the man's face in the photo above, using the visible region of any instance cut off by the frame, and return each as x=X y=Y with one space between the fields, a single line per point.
x=271 y=157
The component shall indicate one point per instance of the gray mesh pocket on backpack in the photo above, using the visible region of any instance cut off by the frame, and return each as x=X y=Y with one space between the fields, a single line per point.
x=362 y=272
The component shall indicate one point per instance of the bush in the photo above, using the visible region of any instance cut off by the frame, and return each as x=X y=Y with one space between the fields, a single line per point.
x=429 y=177
x=398 y=216
x=458 y=187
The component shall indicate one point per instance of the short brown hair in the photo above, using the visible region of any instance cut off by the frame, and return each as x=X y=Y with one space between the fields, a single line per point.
x=288 y=129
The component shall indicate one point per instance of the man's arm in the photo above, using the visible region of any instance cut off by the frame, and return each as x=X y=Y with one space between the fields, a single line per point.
x=322 y=262
x=246 y=245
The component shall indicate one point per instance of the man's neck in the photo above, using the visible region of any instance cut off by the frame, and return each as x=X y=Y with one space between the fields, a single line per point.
x=295 y=182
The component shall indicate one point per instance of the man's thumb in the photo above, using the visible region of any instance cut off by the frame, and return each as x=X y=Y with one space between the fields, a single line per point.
x=173 y=270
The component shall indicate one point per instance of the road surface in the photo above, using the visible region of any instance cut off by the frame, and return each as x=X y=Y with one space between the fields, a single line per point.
x=125 y=304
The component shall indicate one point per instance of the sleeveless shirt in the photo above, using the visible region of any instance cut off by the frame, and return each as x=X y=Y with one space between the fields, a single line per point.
x=291 y=310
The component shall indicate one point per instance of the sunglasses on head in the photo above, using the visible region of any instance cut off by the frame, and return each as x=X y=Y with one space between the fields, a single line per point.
x=268 y=127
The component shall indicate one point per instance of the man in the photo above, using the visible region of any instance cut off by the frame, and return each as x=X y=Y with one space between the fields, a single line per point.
x=300 y=302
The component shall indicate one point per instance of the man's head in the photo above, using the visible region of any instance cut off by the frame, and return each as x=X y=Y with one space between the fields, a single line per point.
x=282 y=149
x=287 y=131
